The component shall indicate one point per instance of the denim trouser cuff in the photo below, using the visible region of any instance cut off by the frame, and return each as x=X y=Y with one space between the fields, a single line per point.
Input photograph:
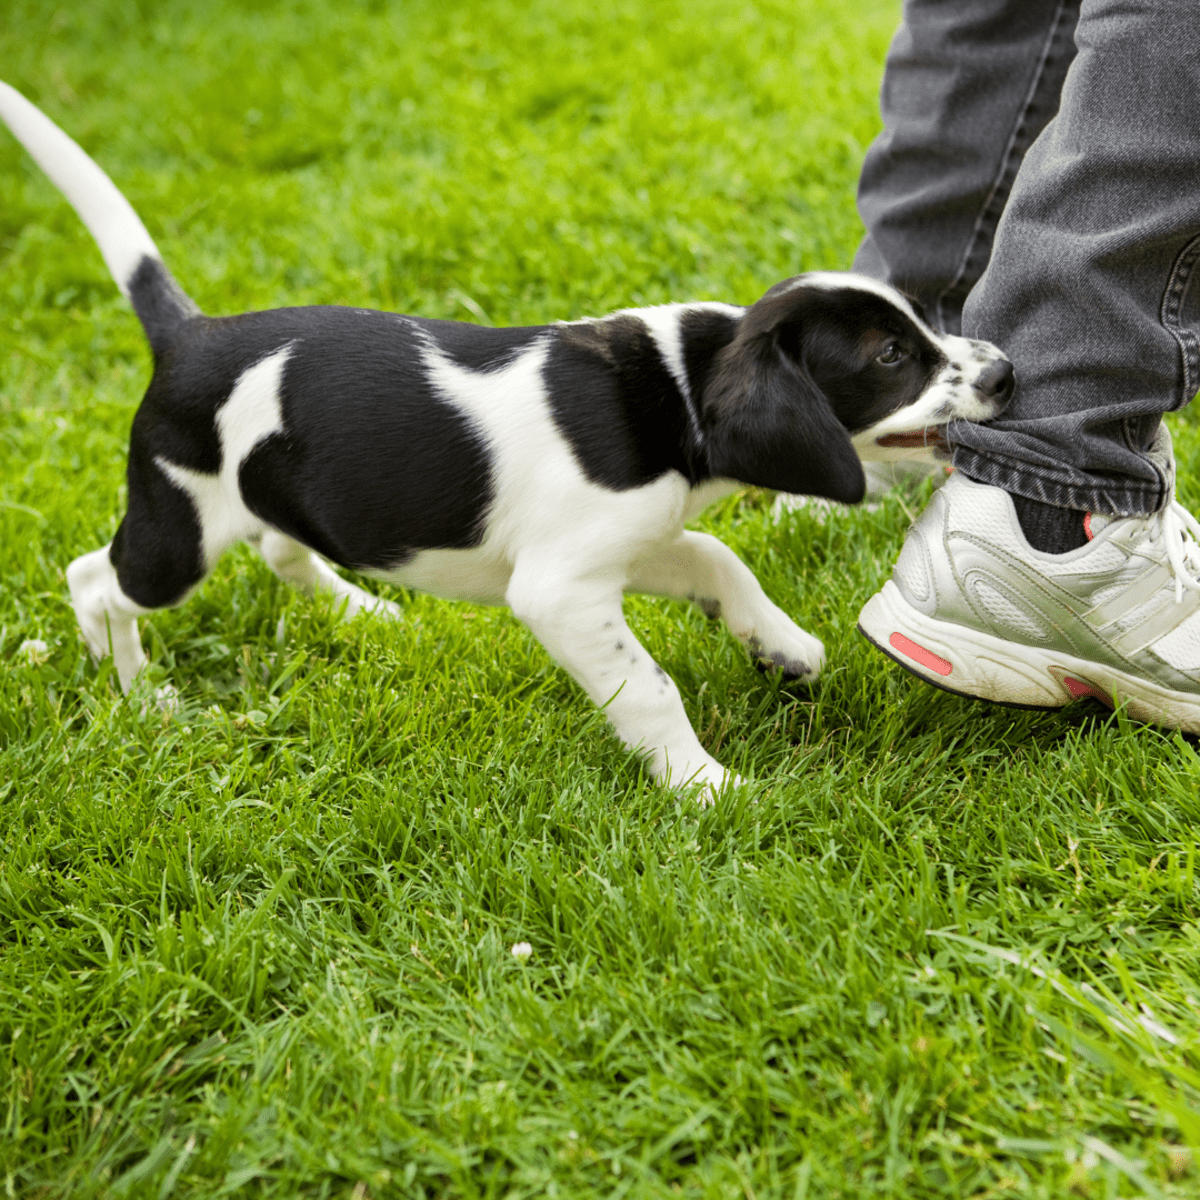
x=1114 y=495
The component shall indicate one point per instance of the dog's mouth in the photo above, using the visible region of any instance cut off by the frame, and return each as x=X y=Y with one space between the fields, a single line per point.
x=917 y=439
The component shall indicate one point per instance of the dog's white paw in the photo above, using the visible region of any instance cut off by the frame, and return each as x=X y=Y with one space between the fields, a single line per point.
x=164 y=700
x=355 y=600
x=385 y=608
x=150 y=699
x=705 y=779
x=789 y=650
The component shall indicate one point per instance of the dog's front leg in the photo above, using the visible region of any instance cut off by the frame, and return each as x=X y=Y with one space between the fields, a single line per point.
x=703 y=569
x=582 y=626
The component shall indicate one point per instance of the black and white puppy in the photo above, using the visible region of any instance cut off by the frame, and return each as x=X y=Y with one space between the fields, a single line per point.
x=549 y=468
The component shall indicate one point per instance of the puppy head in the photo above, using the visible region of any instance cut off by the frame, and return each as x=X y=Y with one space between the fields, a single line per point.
x=826 y=368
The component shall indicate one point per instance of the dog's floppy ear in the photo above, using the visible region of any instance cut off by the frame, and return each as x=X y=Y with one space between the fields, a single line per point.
x=766 y=422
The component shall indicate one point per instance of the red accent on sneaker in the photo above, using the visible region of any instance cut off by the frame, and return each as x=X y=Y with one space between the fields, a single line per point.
x=1078 y=688
x=926 y=658
x=1087 y=526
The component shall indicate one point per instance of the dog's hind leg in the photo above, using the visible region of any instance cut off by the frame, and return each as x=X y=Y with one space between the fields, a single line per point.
x=107 y=617
x=582 y=626
x=155 y=560
x=307 y=570
x=703 y=569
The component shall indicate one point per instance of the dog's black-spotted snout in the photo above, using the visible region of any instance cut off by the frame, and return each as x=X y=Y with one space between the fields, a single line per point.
x=996 y=382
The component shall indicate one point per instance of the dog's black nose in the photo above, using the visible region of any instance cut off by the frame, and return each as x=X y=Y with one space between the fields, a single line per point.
x=996 y=382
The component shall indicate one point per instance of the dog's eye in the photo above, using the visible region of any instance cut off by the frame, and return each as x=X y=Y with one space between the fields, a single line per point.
x=892 y=353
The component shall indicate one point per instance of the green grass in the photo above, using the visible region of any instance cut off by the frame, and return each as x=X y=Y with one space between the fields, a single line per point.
x=262 y=948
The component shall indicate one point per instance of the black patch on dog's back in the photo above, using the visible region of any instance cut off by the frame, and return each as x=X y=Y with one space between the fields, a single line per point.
x=616 y=403
x=373 y=464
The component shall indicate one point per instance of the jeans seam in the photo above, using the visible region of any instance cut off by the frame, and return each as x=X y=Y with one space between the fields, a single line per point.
x=1127 y=433
x=1172 y=303
x=1166 y=483
x=990 y=212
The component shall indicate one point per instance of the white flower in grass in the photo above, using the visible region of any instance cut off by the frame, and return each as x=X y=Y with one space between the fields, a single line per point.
x=35 y=650
x=521 y=951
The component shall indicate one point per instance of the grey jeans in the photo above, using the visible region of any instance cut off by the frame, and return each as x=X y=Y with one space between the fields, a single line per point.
x=1037 y=184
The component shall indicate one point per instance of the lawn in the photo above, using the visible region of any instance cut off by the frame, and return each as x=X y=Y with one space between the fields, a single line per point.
x=262 y=947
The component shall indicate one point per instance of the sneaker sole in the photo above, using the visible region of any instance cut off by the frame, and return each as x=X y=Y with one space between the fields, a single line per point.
x=968 y=662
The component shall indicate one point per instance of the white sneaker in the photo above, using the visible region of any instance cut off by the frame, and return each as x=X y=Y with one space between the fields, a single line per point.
x=974 y=609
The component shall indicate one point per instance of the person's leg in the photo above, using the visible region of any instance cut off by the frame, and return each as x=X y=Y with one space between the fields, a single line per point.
x=966 y=89
x=1092 y=286
x=1092 y=291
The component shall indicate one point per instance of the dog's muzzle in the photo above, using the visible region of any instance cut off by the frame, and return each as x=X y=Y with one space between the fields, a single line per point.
x=995 y=384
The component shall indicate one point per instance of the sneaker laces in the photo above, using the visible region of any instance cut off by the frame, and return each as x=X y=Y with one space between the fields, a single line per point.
x=1180 y=532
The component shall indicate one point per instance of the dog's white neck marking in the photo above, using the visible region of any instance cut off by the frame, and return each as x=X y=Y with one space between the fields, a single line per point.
x=665 y=323
x=252 y=413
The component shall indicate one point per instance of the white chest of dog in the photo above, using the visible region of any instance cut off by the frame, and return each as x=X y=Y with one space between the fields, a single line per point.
x=549 y=468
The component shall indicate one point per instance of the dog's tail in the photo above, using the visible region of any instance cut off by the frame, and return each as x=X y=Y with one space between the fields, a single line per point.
x=128 y=249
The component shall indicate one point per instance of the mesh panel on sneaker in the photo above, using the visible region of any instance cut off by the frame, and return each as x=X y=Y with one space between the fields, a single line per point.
x=1105 y=557
x=993 y=524
x=912 y=568
x=1005 y=609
